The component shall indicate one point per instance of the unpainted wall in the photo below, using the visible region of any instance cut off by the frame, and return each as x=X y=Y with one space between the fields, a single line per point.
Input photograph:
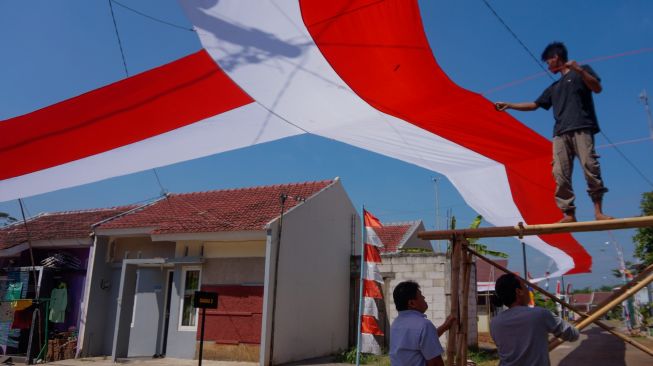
x=312 y=299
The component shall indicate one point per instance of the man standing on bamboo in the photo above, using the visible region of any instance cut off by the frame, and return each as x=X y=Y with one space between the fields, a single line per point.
x=521 y=332
x=574 y=128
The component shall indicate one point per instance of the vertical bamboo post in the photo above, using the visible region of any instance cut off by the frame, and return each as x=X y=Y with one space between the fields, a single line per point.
x=466 y=258
x=456 y=251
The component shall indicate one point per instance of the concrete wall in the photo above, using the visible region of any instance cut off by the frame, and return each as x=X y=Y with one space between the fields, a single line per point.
x=233 y=271
x=181 y=343
x=432 y=273
x=144 y=245
x=98 y=316
x=312 y=304
x=220 y=249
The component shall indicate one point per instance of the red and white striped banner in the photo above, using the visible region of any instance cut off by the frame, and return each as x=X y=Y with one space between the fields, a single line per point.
x=372 y=281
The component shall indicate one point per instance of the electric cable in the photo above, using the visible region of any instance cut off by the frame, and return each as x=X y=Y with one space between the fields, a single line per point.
x=115 y=27
x=518 y=40
x=152 y=18
x=540 y=65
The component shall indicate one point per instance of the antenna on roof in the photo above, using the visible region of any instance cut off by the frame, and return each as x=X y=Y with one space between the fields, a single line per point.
x=643 y=97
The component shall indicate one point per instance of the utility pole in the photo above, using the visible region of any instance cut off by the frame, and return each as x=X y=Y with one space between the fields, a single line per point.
x=628 y=303
x=643 y=97
x=437 y=211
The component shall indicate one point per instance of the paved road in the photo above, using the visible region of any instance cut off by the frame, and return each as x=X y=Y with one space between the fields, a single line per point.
x=598 y=347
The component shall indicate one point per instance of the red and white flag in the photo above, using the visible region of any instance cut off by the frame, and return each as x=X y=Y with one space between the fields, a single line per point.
x=372 y=281
x=360 y=72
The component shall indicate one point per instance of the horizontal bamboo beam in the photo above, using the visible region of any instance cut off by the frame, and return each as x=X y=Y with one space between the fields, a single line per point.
x=521 y=230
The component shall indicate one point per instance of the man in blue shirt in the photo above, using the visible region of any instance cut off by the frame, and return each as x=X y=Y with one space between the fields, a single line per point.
x=413 y=338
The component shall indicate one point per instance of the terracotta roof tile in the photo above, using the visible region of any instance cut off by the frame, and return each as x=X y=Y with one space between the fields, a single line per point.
x=57 y=225
x=600 y=297
x=214 y=211
x=393 y=235
x=581 y=299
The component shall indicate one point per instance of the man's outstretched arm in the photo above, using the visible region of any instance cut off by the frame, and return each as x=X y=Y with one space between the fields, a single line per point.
x=526 y=106
x=560 y=328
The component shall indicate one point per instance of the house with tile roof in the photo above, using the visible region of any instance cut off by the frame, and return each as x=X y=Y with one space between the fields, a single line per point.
x=48 y=251
x=582 y=302
x=277 y=256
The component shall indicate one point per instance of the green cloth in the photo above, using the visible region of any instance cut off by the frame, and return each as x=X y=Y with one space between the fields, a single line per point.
x=14 y=291
x=58 y=303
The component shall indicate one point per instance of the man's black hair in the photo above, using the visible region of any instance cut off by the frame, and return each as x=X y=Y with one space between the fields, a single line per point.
x=505 y=288
x=555 y=49
x=403 y=293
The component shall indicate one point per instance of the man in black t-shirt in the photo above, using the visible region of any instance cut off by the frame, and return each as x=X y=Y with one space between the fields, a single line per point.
x=574 y=128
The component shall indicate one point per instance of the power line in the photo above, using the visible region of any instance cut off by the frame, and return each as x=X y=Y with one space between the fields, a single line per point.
x=628 y=160
x=115 y=27
x=151 y=17
x=517 y=38
x=540 y=65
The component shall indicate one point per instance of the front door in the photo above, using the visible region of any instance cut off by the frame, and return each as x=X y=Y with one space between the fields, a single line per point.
x=148 y=312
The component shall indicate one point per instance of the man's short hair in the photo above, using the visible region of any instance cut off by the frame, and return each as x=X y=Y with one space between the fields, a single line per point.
x=403 y=293
x=505 y=288
x=555 y=49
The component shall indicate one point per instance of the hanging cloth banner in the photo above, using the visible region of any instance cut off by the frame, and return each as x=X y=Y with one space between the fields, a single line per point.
x=359 y=72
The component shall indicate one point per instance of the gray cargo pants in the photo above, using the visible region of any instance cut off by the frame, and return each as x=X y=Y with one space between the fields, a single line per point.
x=565 y=147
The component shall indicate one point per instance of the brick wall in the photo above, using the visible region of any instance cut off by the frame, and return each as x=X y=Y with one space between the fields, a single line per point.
x=432 y=272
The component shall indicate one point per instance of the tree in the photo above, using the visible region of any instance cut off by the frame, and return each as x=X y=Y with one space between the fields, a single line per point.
x=479 y=247
x=6 y=219
x=644 y=237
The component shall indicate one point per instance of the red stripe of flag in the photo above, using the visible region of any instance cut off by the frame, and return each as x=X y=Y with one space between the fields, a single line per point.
x=370 y=220
x=174 y=95
x=370 y=326
x=380 y=50
x=372 y=254
x=371 y=289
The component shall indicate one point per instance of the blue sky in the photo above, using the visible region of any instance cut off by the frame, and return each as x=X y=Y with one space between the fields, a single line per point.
x=57 y=50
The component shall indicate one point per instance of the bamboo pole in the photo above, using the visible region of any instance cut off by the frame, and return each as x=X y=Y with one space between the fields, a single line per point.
x=521 y=230
x=601 y=311
x=462 y=354
x=455 y=275
x=557 y=342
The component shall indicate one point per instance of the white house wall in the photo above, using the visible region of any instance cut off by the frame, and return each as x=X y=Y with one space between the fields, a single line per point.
x=312 y=304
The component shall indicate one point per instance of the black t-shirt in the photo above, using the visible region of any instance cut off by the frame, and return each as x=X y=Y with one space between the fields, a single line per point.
x=573 y=105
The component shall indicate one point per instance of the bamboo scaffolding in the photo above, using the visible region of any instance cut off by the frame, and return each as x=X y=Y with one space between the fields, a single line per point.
x=467 y=267
x=521 y=230
x=557 y=342
x=458 y=332
x=456 y=251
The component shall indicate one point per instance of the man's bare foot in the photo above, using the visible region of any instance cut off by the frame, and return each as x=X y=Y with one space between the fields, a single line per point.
x=602 y=216
x=567 y=219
